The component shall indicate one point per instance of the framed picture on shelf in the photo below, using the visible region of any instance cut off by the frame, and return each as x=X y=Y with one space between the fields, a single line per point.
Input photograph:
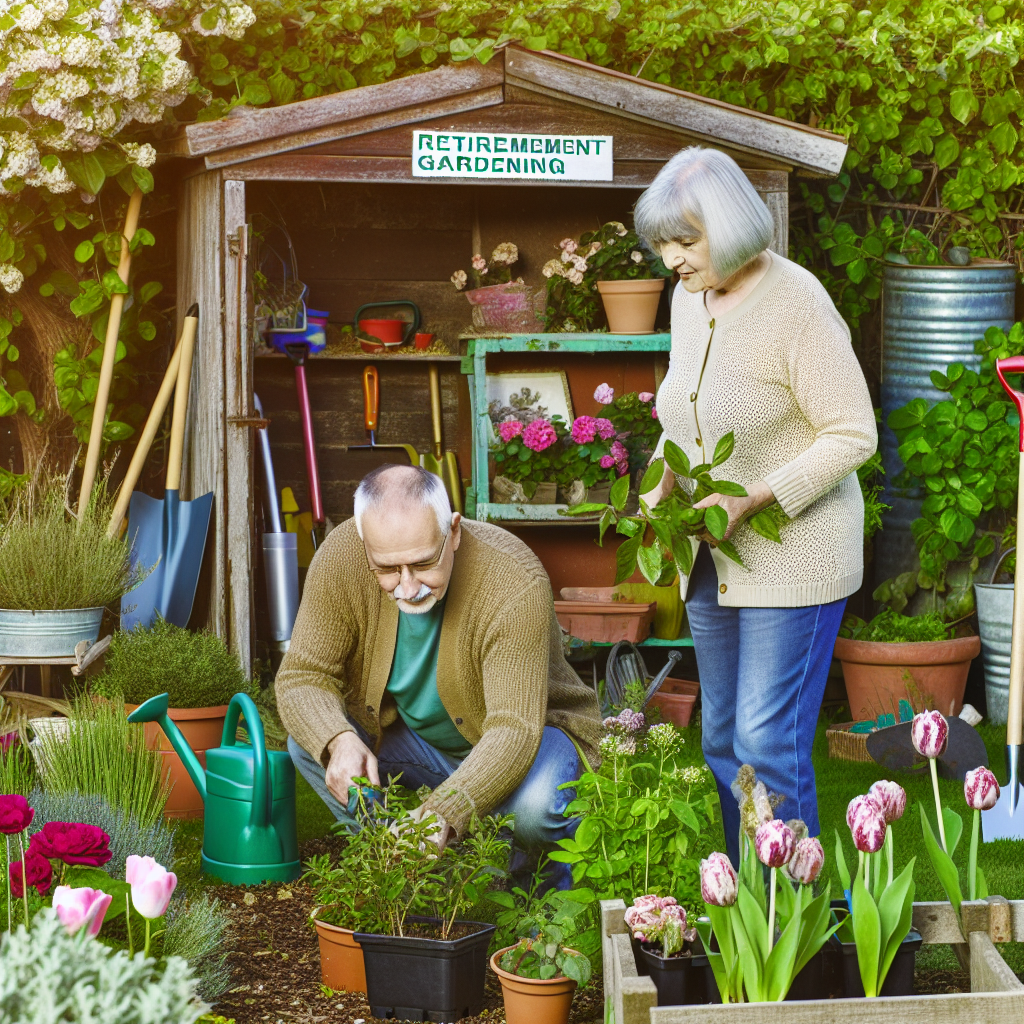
x=528 y=396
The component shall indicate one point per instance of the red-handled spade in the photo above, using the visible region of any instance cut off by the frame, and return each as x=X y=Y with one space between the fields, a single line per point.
x=1006 y=819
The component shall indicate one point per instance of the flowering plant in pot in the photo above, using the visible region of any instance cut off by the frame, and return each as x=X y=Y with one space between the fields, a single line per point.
x=665 y=946
x=635 y=418
x=609 y=264
x=595 y=457
x=528 y=460
x=498 y=302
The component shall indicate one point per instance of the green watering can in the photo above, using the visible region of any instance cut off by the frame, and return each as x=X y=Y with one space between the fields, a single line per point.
x=249 y=833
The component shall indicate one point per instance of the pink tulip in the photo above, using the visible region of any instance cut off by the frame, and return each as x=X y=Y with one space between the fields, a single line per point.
x=868 y=830
x=774 y=842
x=78 y=908
x=152 y=885
x=929 y=732
x=981 y=789
x=891 y=797
x=718 y=880
x=861 y=803
x=808 y=860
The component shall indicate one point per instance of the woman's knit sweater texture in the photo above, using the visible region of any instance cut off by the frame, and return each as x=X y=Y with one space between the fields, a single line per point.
x=781 y=374
x=501 y=673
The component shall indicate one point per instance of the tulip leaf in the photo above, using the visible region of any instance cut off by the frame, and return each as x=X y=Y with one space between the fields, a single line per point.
x=844 y=871
x=866 y=931
x=954 y=826
x=942 y=863
x=895 y=913
x=755 y=922
x=778 y=969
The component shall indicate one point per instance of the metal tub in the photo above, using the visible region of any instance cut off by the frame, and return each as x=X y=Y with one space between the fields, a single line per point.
x=995 y=621
x=46 y=633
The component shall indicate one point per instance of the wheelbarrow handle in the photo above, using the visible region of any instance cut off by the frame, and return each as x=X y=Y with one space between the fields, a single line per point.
x=1015 y=364
x=371 y=397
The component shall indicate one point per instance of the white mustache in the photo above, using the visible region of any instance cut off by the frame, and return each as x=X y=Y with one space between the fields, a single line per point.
x=421 y=595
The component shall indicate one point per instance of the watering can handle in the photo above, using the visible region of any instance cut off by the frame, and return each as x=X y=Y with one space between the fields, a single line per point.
x=371 y=397
x=1015 y=364
x=242 y=704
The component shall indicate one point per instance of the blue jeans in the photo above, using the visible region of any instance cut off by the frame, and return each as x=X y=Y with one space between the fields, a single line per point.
x=538 y=803
x=762 y=678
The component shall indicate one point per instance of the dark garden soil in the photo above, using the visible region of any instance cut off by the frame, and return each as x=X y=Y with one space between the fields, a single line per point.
x=275 y=963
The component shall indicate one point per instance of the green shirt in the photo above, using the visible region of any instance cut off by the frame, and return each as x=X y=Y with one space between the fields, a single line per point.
x=413 y=682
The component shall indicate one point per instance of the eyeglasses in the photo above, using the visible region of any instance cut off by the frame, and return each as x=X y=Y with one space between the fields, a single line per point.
x=385 y=571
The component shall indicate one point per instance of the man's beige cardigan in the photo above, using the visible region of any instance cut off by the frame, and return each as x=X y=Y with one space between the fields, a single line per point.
x=501 y=674
x=779 y=372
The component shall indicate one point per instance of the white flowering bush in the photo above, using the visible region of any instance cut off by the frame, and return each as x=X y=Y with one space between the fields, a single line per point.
x=47 y=975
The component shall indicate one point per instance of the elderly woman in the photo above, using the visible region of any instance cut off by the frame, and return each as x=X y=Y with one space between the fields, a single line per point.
x=759 y=349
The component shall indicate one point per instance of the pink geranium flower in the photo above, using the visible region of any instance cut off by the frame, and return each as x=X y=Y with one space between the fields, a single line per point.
x=654 y=413
x=604 y=394
x=584 y=429
x=604 y=428
x=646 y=396
x=510 y=429
x=538 y=435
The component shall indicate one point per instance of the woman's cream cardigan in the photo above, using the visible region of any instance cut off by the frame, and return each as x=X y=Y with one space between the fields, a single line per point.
x=780 y=373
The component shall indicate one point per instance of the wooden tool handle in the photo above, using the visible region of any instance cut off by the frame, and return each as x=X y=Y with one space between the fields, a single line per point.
x=177 y=445
x=131 y=477
x=371 y=397
x=99 y=409
x=435 y=408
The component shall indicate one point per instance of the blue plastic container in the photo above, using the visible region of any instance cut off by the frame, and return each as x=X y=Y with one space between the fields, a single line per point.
x=315 y=334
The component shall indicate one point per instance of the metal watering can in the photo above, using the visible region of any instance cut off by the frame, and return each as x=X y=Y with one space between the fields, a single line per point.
x=249 y=833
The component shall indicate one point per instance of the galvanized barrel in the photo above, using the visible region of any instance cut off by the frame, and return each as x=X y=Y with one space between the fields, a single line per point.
x=995 y=622
x=931 y=317
x=47 y=634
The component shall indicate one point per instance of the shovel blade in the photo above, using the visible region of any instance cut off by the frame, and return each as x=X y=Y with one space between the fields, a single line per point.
x=999 y=823
x=168 y=535
x=431 y=464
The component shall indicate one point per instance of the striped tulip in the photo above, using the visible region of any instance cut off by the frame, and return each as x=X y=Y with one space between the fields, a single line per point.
x=718 y=880
x=774 y=842
x=868 y=830
x=891 y=797
x=808 y=860
x=859 y=805
x=929 y=732
x=981 y=789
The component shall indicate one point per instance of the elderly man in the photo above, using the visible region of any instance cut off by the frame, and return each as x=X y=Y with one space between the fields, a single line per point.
x=426 y=646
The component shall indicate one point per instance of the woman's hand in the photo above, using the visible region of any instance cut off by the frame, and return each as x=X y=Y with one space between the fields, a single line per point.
x=662 y=490
x=759 y=496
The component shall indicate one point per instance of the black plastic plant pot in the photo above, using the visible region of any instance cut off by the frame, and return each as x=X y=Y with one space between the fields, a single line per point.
x=809 y=982
x=900 y=979
x=678 y=979
x=412 y=978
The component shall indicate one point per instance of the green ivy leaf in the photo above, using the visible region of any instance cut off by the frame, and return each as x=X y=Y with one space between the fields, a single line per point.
x=963 y=104
x=84 y=251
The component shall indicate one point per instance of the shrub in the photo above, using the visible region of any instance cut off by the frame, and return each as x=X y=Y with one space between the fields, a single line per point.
x=195 y=932
x=50 y=559
x=196 y=669
x=47 y=975
x=889 y=627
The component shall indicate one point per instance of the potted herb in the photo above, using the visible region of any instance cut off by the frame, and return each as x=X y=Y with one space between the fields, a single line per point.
x=539 y=974
x=890 y=656
x=200 y=676
x=612 y=263
x=528 y=459
x=499 y=303
x=57 y=571
x=419 y=954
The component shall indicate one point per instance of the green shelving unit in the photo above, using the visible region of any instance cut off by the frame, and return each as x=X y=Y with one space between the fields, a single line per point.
x=474 y=365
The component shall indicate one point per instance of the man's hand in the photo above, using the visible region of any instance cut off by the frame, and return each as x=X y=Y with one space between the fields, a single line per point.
x=350 y=759
x=759 y=496
x=443 y=834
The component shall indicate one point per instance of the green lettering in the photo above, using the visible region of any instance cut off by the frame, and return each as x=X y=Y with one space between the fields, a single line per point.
x=426 y=163
x=513 y=165
x=443 y=148
x=582 y=148
x=445 y=164
x=552 y=146
x=483 y=145
x=500 y=144
x=557 y=166
x=520 y=145
x=568 y=147
x=426 y=142
x=498 y=165
x=460 y=160
x=537 y=166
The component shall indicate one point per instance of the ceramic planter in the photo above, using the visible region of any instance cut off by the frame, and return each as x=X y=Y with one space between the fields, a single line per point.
x=532 y=1000
x=341 y=958
x=631 y=306
x=413 y=978
x=504 y=307
x=675 y=699
x=606 y=621
x=668 y=619
x=47 y=633
x=995 y=619
x=878 y=675
x=202 y=727
x=509 y=492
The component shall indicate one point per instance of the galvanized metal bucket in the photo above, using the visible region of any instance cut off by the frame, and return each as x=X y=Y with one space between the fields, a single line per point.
x=995 y=621
x=931 y=317
x=46 y=633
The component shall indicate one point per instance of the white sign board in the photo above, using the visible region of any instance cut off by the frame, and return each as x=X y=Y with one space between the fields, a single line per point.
x=512 y=156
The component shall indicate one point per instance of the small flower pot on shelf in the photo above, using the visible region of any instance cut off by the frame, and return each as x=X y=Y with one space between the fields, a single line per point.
x=631 y=305
x=606 y=621
x=675 y=699
x=341 y=958
x=504 y=307
x=877 y=674
x=416 y=978
x=534 y=1000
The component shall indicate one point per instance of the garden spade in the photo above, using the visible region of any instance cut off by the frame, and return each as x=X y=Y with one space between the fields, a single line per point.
x=169 y=534
x=437 y=460
x=371 y=410
x=1006 y=819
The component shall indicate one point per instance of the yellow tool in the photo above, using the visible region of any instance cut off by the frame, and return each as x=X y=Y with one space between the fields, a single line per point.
x=300 y=524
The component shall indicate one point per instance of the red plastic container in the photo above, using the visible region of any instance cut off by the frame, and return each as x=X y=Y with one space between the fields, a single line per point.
x=390 y=332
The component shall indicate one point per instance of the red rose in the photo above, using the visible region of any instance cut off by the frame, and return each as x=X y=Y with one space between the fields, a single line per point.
x=72 y=843
x=15 y=814
x=38 y=872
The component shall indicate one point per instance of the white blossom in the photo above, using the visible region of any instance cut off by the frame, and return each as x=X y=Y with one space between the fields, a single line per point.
x=142 y=154
x=11 y=278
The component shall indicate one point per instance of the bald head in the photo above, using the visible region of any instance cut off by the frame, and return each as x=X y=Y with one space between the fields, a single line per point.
x=395 y=492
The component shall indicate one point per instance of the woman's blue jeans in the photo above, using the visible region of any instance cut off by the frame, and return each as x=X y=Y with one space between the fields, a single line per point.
x=538 y=803
x=762 y=678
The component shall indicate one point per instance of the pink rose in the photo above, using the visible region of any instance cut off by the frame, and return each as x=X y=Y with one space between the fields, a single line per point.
x=82 y=907
x=891 y=797
x=604 y=428
x=510 y=429
x=604 y=395
x=584 y=429
x=38 y=872
x=646 y=396
x=718 y=881
x=538 y=435
x=774 y=842
x=808 y=860
x=15 y=814
x=981 y=789
x=928 y=733
x=72 y=843
x=152 y=885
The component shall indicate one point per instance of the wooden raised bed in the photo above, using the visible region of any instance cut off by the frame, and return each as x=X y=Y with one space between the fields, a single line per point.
x=996 y=996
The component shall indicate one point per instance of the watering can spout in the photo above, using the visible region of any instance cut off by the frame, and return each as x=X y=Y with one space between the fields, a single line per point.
x=155 y=710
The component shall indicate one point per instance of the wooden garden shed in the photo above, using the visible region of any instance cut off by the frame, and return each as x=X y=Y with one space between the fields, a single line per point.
x=337 y=170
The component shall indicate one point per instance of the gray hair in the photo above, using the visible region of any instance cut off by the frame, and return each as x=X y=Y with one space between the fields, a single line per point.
x=704 y=193
x=410 y=485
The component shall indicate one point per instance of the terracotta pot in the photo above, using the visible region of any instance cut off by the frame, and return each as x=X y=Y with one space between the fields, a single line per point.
x=202 y=728
x=932 y=674
x=532 y=1001
x=668 y=619
x=675 y=700
x=341 y=958
x=606 y=621
x=631 y=306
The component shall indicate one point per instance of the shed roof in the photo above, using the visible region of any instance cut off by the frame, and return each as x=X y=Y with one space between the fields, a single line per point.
x=515 y=73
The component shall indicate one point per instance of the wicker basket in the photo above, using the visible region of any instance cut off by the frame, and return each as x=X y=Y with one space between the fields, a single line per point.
x=845 y=745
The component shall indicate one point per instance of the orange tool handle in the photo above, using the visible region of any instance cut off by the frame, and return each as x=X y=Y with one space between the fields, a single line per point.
x=371 y=397
x=1015 y=364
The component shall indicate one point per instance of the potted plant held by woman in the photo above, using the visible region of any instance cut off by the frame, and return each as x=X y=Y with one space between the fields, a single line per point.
x=199 y=674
